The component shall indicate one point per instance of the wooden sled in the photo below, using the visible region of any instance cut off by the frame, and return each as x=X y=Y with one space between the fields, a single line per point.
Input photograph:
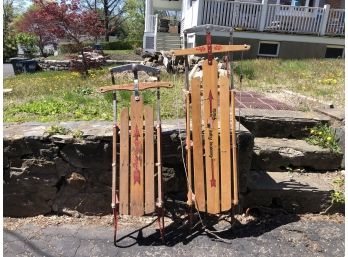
x=133 y=180
x=210 y=118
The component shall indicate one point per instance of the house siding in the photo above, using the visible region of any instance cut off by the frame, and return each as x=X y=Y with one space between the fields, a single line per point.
x=287 y=50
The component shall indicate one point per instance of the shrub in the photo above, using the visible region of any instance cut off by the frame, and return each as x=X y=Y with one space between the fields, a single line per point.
x=10 y=48
x=121 y=45
x=28 y=42
x=69 y=48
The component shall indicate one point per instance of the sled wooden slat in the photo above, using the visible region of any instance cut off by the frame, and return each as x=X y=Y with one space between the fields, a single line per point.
x=149 y=160
x=130 y=87
x=124 y=162
x=199 y=184
x=225 y=144
x=211 y=136
x=137 y=159
x=203 y=49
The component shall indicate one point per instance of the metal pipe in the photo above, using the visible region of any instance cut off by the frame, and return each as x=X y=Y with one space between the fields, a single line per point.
x=234 y=151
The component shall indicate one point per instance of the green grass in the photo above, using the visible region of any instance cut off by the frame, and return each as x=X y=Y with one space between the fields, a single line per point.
x=322 y=79
x=65 y=95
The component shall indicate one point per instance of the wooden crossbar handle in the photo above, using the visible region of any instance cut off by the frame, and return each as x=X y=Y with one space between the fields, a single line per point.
x=130 y=87
x=203 y=49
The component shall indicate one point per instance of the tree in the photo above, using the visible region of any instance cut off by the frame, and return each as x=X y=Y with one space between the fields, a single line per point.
x=111 y=12
x=34 y=22
x=135 y=22
x=10 y=44
x=67 y=20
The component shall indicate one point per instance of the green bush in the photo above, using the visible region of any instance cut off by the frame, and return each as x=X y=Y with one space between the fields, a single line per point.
x=69 y=48
x=121 y=45
x=10 y=48
x=28 y=42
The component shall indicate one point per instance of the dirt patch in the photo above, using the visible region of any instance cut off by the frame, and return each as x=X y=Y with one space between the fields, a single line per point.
x=129 y=221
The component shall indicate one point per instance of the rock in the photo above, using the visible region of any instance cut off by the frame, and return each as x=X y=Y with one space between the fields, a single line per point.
x=35 y=171
x=146 y=54
x=76 y=180
x=16 y=147
x=138 y=50
x=339 y=136
x=279 y=123
x=294 y=192
x=274 y=154
x=23 y=200
x=87 y=154
x=62 y=167
x=89 y=201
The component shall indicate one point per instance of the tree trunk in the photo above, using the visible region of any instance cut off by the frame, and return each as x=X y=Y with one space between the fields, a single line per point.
x=84 y=64
x=106 y=17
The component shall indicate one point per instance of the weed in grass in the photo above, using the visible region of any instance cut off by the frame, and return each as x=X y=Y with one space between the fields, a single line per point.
x=323 y=136
x=77 y=134
x=57 y=130
x=337 y=197
x=84 y=91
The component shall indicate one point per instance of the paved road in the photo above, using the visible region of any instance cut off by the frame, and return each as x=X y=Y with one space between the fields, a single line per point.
x=7 y=70
x=288 y=236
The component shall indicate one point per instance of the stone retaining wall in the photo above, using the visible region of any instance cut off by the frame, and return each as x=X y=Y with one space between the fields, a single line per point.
x=55 y=65
x=60 y=174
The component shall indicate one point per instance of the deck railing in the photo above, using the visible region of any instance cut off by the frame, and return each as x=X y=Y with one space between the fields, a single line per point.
x=233 y=14
x=267 y=17
x=294 y=19
x=335 y=24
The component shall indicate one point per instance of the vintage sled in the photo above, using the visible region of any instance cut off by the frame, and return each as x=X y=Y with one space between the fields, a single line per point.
x=133 y=180
x=210 y=119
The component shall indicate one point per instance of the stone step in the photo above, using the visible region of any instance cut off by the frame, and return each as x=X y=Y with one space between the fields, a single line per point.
x=295 y=192
x=278 y=154
x=279 y=123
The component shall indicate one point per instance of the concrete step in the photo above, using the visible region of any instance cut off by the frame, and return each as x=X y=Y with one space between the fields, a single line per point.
x=279 y=123
x=294 y=192
x=167 y=48
x=168 y=35
x=276 y=154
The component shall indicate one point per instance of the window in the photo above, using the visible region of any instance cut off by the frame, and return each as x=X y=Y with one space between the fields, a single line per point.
x=334 y=52
x=267 y=48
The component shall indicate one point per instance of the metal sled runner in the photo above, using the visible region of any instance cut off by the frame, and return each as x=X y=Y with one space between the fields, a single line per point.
x=133 y=182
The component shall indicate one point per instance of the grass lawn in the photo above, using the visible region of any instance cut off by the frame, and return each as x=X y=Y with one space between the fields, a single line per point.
x=322 y=79
x=64 y=95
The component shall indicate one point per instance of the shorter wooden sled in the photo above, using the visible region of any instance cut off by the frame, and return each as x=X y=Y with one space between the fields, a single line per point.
x=133 y=180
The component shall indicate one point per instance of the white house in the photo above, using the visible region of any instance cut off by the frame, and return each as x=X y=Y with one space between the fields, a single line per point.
x=274 y=28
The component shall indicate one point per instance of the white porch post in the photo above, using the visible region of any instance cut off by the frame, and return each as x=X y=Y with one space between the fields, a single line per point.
x=324 y=20
x=148 y=12
x=263 y=14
